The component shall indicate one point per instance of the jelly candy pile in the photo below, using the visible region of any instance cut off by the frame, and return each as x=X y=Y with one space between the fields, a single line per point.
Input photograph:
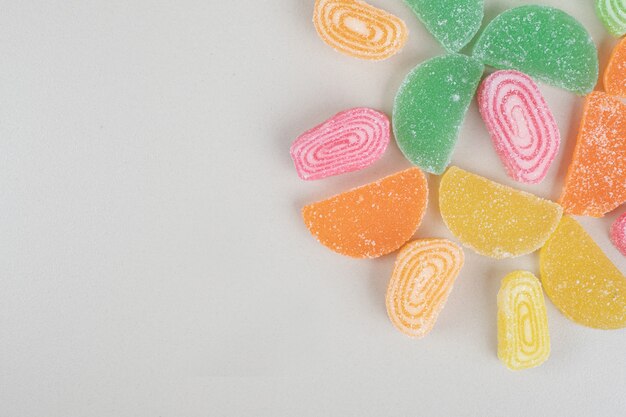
x=520 y=47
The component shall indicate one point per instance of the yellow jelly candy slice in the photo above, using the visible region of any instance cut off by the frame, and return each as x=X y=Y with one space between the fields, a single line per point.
x=580 y=280
x=492 y=219
x=423 y=276
x=523 y=337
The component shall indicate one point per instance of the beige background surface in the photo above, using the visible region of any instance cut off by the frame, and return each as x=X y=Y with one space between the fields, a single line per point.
x=153 y=259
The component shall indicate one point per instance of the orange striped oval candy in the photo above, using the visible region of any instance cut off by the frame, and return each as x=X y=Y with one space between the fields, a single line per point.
x=357 y=29
x=422 y=279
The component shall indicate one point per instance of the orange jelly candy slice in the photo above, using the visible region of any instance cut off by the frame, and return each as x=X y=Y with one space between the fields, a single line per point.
x=596 y=179
x=372 y=220
x=422 y=279
x=615 y=74
x=355 y=28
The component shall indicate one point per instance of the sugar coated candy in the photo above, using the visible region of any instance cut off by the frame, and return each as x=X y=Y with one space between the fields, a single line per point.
x=422 y=278
x=355 y=28
x=618 y=234
x=349 y=141
x=612 y=13
x=372 y=220
x=523 y=336
x=596 y=178
x=615 y=74
x=452 y=22
x=580 y=280
x=492 y=219
x=430 y=107
x=522 y=127
x=543 y=42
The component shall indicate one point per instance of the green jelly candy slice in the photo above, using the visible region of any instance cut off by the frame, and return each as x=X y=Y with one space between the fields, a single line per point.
x=452 y=22
x=430 y=107
x=543 y=42
x=612 y=13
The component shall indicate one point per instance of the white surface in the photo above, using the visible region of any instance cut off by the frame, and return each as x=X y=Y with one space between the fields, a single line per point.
x=153 y=259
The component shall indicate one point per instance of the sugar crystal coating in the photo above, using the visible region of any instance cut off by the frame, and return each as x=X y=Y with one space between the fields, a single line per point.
x=618 y=234
x=492 y=219
x=596 y=178
x=612 y=13
x=523 y=336
x=357 y=29
x=521 y=125
x=615 y=74
x=452 y=22
x=422 y=279
x=430 y=107
x=349 y=141
x=543 y=42
x=372 y=220
x=580 y=280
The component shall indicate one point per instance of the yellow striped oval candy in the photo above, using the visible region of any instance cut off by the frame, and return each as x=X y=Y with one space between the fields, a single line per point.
x=523 y=337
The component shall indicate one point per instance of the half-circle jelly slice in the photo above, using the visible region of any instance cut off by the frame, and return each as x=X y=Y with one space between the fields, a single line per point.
x=543 y=42
x=492 y=219
x=580 y=280
x=452 y=22
x=430 y=107
x=615 y=73
x=596 y=179
x=372 y=220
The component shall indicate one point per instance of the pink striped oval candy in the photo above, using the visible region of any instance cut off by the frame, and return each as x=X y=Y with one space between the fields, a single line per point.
x=522 y=127
x=618 y=234
x=349 y=141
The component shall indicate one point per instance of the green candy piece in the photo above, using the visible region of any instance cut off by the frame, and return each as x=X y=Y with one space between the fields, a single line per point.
x=543 y=42
x=430 y=107
x=612 y=13
x=452 y=22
